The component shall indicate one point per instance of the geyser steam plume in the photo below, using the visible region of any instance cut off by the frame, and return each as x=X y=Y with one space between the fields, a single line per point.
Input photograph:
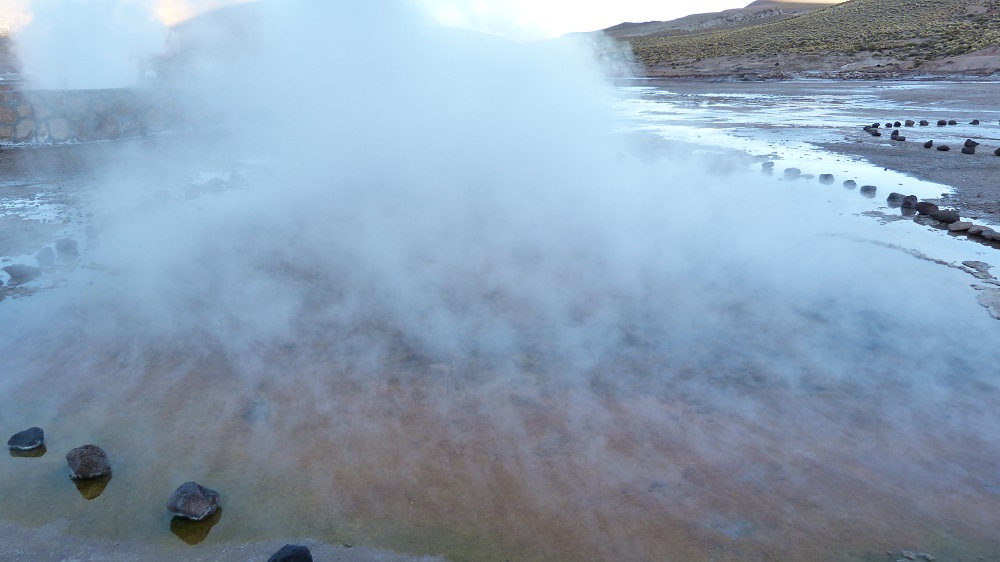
x=451 y=300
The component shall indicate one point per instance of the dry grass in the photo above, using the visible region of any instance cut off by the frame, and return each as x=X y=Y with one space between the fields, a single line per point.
x=914 y=30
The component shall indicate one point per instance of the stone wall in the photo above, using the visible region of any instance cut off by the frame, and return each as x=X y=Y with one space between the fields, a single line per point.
x=67 y=116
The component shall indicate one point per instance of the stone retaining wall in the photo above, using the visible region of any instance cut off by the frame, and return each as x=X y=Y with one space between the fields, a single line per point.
x=30 y=117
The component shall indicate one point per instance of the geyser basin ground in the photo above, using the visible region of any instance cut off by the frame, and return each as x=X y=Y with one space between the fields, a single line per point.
x=761 y=374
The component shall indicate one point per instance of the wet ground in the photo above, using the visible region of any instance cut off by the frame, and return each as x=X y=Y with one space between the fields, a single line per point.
x=804 y=378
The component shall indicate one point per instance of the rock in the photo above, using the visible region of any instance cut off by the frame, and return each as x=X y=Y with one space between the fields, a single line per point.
x=291 y=553
x=876 y=125
x=193 y=501
x=894 y=199
x=67 y=248
x=970 y=143
x=850 y=184
x=875 y=133
x=31 y=438
x=897 y=124
x=952 y=122
x=943 y=147
x=988 y=233
x=46 y=257
x=767 y=165
x=974 y=122
x=928 y=144
x=792 y=173
x=945 y=216
x=888 y=125
x=925 y=208
x=899 y=138
x=868 y=189
x=941 y=123
x=910 y=123
x=968 y=150
x=910 y=202
x=960 y=226
x=88 y=461
x=924 y=123
x=21 y=273
x=997 y=152
x=826 y=179
x=976 y=229
x=909 y=555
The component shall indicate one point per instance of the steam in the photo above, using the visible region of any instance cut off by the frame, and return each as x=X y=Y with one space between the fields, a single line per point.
x=442 y=288
x=87 y=44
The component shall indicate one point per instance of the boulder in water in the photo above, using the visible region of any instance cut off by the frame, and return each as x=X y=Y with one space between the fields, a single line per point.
x=945 y=216
x=968 y=150
x=943 y=147
x=88 y=461
x=21 y=273
x=291 y=553
x=850 y=184
x=925 y=208
x=826 y=179
x=31 y=438
x=193 y=501
x=928 y=144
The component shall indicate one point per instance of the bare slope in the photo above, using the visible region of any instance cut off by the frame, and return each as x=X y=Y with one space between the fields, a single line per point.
x=898 y=36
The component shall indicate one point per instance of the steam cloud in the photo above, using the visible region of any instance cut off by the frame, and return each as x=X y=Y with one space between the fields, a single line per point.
x=451 y=294
x=86 y=44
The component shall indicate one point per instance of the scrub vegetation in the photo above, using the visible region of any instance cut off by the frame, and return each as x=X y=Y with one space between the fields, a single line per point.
x=914 y=30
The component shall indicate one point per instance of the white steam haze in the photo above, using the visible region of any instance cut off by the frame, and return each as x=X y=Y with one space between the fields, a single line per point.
x=453 y=307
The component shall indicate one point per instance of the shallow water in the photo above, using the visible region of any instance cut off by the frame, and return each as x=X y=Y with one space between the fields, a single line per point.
x=803 y=383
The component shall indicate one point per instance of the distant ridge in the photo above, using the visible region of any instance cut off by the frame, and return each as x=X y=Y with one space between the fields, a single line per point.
x=854 y=39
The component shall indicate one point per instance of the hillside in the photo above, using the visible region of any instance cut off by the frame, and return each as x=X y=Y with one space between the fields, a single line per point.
x=761 y=11
x=858 y=38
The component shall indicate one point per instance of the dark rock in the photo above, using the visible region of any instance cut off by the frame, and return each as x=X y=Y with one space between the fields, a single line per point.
x=910 y=123
x=46 y=257
x=88 y=461
x=20 y=273
x=67 y=248
x=291 y=553
x=945 y=216
x=974 y=122
x=941 y=123
x=943 y=147
x=792 y=173
x=193 y=501
x=968 y=150
x=876 y=125
x=850 y=184
x=826 y=179
x=909 y=202
x=875 y=133
x=894 y=199
x=907 y=211
x=997 y=152
x=867 y=128
x=31 y=438
x=928 y=144
x=960 y=226
x=925 y=208
x=924 y=123
x=898 y=138
x=971 y=143
x=868 y=189
x=895 y=133
x=952 y=122
x=897 y=124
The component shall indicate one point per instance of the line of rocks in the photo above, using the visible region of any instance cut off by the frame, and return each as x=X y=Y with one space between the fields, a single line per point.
x=969 y=147
x=190 y=500
x=924 y=212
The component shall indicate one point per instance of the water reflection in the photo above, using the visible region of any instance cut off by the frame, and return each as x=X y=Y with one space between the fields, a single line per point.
x=29 y=454
x=91 y=488
x=194 y=532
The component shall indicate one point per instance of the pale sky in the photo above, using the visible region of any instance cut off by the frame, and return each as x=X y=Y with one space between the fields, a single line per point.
x=539 y=19
x=516 y=19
